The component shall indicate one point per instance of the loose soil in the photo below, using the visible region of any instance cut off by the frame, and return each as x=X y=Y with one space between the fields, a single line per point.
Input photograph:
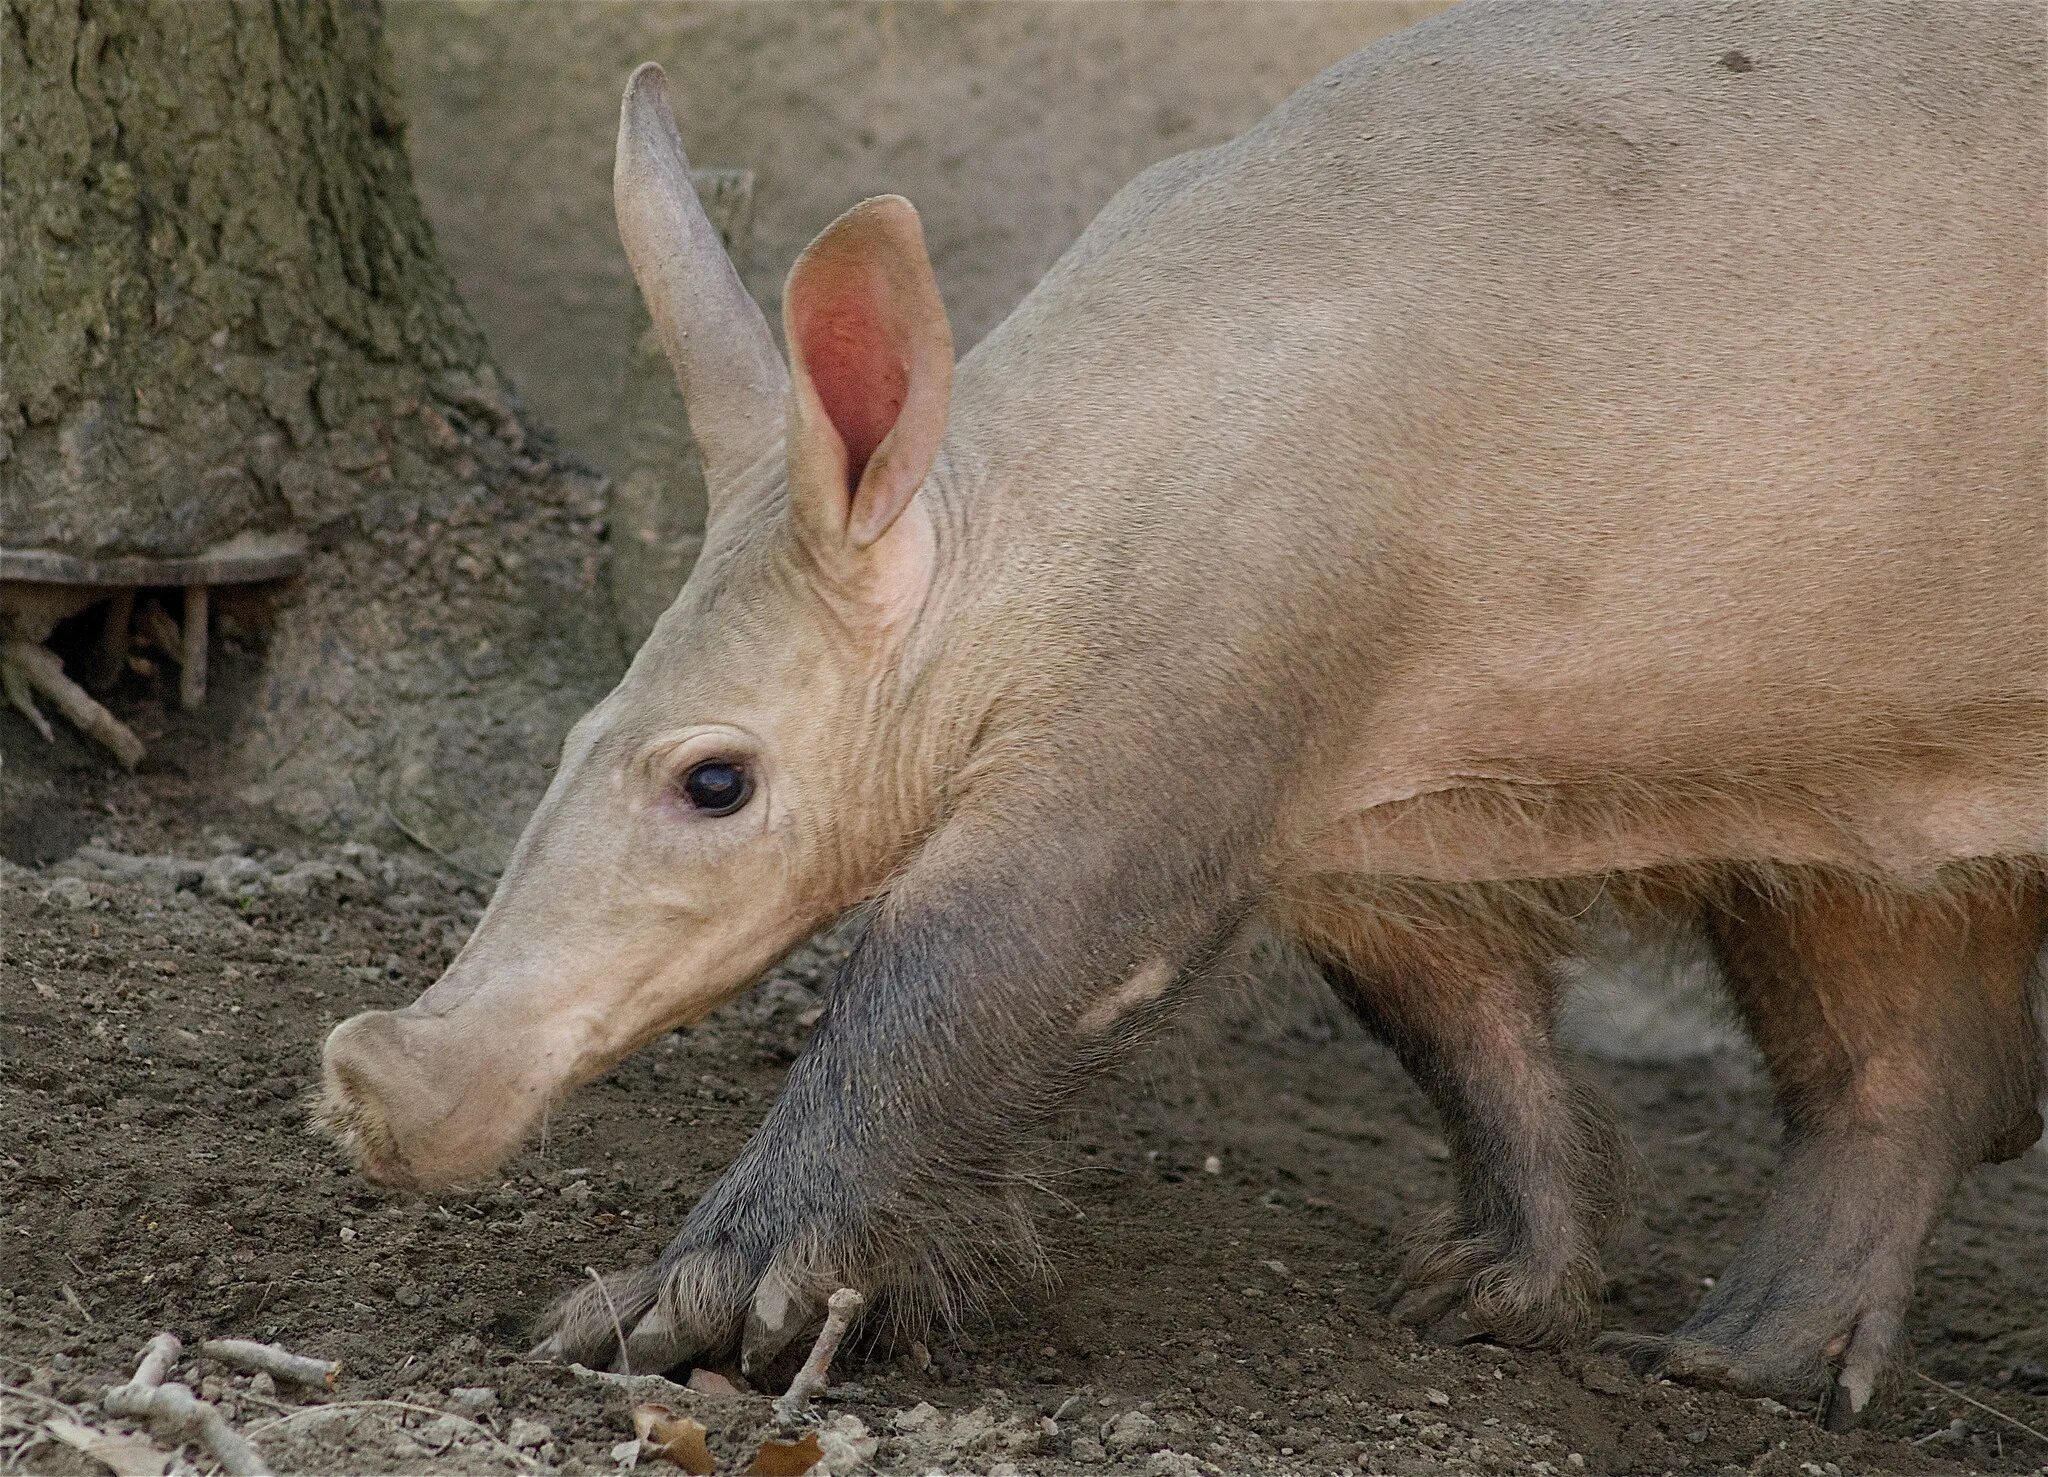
x=1226 y=1228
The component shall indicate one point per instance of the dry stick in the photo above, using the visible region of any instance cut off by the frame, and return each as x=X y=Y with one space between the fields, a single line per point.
x=51 y=1400
x=46 y=674
x=1987 y=1409
x=159 y=1357
x=298 y=1369
x=840 y=1311
x=192 y=650
x=412 y=834
x=77 y=1302
x=174 y=1407
x=618 y=1332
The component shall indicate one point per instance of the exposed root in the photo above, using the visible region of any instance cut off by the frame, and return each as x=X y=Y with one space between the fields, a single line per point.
x=176 y=1410
x=27 y=667
x=2034 y=1431
x=278 y=1363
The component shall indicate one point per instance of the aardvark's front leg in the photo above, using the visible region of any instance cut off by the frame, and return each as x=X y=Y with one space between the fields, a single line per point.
x=992 y=981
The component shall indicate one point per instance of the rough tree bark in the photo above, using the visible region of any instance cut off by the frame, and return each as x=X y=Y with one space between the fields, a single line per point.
x=227 y=312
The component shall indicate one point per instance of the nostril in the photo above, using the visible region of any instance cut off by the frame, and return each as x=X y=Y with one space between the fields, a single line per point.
x=360 y=1062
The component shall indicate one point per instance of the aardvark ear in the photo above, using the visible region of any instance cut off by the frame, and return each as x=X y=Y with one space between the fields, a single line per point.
x=871 y=361
x=732 y=379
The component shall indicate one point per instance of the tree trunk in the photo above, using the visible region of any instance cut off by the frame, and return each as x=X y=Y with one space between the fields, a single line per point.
x=228 y=314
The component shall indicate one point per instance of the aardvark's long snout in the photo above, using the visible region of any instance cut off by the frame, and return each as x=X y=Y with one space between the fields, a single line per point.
x=420 y=1101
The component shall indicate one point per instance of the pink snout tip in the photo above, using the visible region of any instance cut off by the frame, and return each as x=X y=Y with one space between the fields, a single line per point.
x=410 y=1106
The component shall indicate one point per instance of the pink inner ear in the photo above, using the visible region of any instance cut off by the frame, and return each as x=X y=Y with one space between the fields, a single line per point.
x=855 y=362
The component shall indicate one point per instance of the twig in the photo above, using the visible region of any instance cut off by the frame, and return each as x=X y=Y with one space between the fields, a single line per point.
x=20 y=1394
x=840 y=1311
x=434 y=851
x=1987 y=1409
x=77 y=1302
x=618 y=1331
x=159 y=1357
x=279 y=1363
x=175 y=1408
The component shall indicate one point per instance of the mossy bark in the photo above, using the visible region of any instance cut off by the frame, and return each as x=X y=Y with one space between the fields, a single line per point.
x=227 y=312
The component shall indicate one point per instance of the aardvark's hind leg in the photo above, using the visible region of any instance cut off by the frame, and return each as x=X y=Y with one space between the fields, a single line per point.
x=1539 y=1169
x=1900 y=1045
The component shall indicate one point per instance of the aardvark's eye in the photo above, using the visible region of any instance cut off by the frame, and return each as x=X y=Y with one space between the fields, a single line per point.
x=718 y=788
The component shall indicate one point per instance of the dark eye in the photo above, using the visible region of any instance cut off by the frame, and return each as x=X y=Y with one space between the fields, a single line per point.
x=718 y=788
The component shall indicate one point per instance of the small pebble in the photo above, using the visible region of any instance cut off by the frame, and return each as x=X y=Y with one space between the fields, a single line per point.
x=473 y=1397
x=1212 y=1165
x=260 y=1383
x=442 y=1432
x=1436 y=1397
x=1606 y=1382
x=527 y=1433
x=1131 y=1431
x=626 y=1453
x=914 y=1418
x=69 y=892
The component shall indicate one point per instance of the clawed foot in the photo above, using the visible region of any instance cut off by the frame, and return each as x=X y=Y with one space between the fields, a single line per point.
x=1460 y=1290
x=1778 y=1355
x=698 y=1306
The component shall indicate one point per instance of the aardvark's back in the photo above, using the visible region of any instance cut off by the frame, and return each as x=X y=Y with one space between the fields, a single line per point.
x=1619 y=400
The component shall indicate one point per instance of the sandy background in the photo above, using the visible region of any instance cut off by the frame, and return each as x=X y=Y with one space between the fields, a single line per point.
x=1008 y=124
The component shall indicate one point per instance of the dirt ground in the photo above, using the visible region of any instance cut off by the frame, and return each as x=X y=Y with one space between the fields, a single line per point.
x=1225 y=1226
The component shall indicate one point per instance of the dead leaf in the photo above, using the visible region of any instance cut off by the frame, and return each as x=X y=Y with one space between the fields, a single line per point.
x=124 y=1456
x=786 y=1458
x=674 y=1437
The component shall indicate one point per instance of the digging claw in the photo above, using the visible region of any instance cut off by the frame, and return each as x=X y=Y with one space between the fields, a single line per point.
x=654 y=1345
x=1841 y=1409
x=1668 y=1357
x=780 y=1311
x=1640 y=1351
x=1421 y=1305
